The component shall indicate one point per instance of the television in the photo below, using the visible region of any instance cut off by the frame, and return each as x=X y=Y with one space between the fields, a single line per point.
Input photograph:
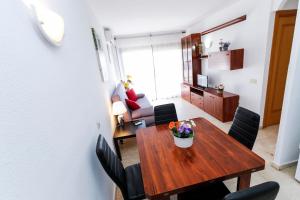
x=202 y=81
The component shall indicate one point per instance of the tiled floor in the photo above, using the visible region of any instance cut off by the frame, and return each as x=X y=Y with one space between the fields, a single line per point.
x=264 y=146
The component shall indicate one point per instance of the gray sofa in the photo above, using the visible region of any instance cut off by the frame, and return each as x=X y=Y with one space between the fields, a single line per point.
x=144 y=113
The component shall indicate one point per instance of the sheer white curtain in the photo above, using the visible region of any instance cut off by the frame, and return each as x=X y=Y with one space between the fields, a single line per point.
x=168 y=70
x=155 y=64
x=138 y=62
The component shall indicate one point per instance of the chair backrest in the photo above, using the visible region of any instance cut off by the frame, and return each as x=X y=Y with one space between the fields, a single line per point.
x=111 y=164
x=164 y=114
x=245 y=127
x=264 y=191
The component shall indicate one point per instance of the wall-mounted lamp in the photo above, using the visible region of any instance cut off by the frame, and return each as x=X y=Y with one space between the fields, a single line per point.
x=50 y=24
x=208 y=44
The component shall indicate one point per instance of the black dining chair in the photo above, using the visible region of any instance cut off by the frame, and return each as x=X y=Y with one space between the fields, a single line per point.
x=245 y=127
x=164 y=114
x=218 y=191
x=129 y=180
x=264 y=191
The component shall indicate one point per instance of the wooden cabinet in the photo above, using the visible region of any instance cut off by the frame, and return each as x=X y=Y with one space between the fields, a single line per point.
x=209 y=103
x=226 y=60
x=185 y=92
x=190 y=57
x=213 y=105
x=221 y=106
x=197 y=100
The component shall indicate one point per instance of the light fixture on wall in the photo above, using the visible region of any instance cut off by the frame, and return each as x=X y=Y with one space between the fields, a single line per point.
x=50 y=24
x=208 y=44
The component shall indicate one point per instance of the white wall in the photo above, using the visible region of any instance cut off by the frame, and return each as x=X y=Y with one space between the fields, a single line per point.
x=287 y=149
x=285 y=4
x=50 y=101
x=252 y=35
x=290 y=4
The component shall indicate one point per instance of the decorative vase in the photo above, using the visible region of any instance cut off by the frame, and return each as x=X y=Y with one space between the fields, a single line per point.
x=225 y=48
x=183 y=142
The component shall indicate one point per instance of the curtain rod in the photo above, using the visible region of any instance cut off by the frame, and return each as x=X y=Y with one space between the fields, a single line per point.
x=147 y=35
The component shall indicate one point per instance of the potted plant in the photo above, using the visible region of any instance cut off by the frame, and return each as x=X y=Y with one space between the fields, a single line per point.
x=183 y=133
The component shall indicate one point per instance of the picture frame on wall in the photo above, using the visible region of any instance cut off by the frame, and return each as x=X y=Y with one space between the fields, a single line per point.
x=100 y=55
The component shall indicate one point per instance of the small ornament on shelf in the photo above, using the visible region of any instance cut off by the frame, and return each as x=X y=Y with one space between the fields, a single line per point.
x=220 y=88
x=223 y=45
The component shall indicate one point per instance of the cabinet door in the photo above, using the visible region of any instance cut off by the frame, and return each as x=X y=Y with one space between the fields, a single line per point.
x=184 y=49
x=208 y=103
x=196 y=40
x=185 y=92
x=197 y=100
x=218 y=108
x=189 y=48
x=185 y=72
x=213 y=105
x=190 y=72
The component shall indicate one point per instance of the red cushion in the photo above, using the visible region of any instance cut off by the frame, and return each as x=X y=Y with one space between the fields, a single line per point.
x=132 y=104
x=131 y=95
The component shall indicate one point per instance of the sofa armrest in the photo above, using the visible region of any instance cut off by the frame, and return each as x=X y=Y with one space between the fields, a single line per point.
x=141 y=95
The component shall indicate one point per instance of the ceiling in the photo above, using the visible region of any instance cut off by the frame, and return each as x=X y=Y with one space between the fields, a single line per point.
x=125 y=17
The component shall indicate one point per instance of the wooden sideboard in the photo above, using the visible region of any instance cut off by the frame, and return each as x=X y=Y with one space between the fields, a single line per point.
x=221 y=106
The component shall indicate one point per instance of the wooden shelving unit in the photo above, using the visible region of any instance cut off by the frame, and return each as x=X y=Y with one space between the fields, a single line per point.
x=221 y=106
x=226 y=60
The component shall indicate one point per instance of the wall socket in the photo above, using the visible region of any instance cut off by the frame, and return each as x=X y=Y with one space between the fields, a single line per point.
x=253 y=81
x=98 y=125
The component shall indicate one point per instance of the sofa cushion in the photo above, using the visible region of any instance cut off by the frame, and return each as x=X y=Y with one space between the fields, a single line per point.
x=144 y=102
x=121 y=92
x=142 y=112
x=131 y=95
x=132 y=104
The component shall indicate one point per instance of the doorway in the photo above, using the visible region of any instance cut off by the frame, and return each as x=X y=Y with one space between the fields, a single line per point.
x=279 y=62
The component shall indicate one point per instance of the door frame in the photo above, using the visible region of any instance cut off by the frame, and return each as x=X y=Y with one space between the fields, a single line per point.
x=279 y=14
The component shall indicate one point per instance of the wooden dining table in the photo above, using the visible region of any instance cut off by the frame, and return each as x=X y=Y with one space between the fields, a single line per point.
x=214 y=156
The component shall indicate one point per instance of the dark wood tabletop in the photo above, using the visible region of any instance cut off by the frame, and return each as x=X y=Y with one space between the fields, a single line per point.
x=168 y=170
x=128 y=130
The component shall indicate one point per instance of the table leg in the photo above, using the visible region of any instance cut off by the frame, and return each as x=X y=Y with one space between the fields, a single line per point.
x=117 y=148
x=243 y=181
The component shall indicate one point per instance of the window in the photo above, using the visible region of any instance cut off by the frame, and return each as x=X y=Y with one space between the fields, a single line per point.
x=155 y=64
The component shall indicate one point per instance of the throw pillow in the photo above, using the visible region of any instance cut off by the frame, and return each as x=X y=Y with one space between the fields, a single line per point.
x=132 y=104
x=131 y=95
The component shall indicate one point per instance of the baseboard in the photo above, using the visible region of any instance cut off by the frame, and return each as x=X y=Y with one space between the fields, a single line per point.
x=283 y=166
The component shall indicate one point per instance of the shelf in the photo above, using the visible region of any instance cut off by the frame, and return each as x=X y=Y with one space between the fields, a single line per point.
x=226 y=60
x=203 y=56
